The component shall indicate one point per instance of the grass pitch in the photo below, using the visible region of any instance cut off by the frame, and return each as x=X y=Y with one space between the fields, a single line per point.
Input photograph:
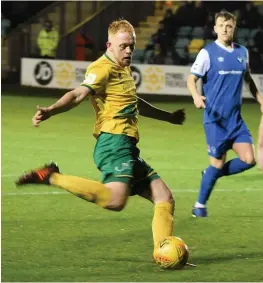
x=50 y=235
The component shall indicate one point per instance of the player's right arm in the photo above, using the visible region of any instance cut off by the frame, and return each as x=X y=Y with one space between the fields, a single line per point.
x=68 y=101
x=191 y=85
x=95 y=80
x=198 y=70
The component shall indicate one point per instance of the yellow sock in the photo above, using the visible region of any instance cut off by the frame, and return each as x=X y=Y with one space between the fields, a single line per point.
x=163 y=220
x=89 y=190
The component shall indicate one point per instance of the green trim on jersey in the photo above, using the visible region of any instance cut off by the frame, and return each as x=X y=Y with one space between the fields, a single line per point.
x=109 y=58
x=128 y=111
x=89 y=87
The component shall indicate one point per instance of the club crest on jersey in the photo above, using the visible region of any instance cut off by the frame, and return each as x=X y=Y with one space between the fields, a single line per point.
x=240 y=59
x=220 y=59
x=211 y=149
x=90 y=79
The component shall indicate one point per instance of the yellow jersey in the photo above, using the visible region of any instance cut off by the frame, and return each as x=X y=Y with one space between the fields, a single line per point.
x=113 y=97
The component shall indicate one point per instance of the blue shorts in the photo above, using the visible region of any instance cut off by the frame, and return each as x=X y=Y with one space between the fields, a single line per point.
x=220 y=138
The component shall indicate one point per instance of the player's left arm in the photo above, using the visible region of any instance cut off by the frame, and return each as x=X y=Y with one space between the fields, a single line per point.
x=253 y=88
x=148 y=110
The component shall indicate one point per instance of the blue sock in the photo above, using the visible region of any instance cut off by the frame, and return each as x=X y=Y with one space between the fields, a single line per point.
x=210 y=175
x=235 y=166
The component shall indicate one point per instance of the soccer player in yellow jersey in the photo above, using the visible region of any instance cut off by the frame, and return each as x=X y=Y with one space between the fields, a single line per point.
x=111 y=89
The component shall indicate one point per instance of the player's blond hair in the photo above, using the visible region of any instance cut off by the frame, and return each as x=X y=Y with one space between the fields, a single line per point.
x=120 y=25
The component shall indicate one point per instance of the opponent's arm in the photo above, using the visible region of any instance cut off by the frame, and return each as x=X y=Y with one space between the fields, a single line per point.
x=148 y=110
x=253 y=88
x=191 y=85
x=68 y=101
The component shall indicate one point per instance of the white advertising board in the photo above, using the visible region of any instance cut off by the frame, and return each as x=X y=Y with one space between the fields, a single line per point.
x=52 y=73
x=149 y=79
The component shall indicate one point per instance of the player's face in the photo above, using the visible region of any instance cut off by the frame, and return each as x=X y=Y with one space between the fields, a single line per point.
x=122 y=46
x=225 y=29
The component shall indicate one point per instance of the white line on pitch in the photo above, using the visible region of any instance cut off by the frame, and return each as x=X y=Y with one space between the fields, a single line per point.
x=8 y=175
x=16 y=175
x=179 y=191
x=33 y=193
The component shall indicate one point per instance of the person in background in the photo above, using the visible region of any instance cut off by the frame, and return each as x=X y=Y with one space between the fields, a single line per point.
x=200 y=14
x=5 y=26
x=185 y=14
x=47 y=40
x=169 y=25
x=172 y=58
x=156 y=57
x=85 y=47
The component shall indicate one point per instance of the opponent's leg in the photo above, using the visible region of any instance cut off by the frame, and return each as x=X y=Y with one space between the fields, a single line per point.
x=246 y=160
x=217 y=146
x=244 y=148
x=209 y=178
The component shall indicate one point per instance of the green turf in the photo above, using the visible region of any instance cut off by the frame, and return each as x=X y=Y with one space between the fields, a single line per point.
x=58 y=237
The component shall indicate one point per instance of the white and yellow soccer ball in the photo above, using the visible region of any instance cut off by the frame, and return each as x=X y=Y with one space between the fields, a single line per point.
x=171 y=253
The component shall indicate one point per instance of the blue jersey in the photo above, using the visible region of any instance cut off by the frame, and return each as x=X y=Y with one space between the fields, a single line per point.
x=222 y=71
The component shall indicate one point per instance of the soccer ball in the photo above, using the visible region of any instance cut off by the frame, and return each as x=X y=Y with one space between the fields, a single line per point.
x=171 y=253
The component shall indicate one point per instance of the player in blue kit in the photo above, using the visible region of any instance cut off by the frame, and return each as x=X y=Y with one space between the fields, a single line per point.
x=222 y=66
